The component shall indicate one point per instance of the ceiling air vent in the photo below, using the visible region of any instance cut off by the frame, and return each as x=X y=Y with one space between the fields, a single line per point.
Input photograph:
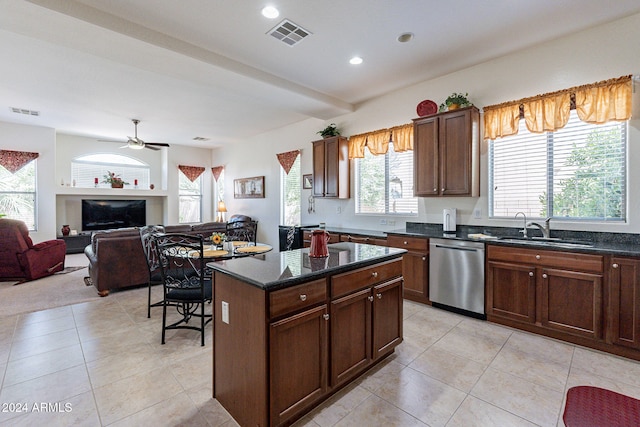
x=289 y=33
x=25 y=111
x=200 y=138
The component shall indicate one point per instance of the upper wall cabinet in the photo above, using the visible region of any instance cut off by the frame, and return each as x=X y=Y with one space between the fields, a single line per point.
x=446 y=154
x=331 y=168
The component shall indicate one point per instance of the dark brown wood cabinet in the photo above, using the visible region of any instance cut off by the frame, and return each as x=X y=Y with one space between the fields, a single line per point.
x=446 y=154
x=624 y=302
x=415 y=266
x=550 y=292
x=298 y=363
x=366 y=318
x=331 y=168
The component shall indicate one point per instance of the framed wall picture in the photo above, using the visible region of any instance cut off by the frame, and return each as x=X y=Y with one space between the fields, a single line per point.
x=248 y=188
x=307 y=181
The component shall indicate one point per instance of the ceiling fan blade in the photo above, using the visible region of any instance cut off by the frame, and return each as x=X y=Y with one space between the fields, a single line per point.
x=157 y=144
x=125 y=146
x=151 y=147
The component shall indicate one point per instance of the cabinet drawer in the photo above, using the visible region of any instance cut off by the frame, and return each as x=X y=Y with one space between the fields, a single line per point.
x=342 y=284
x=357 y=238
x=535 y=257
x=297 y=297
x=418 y=244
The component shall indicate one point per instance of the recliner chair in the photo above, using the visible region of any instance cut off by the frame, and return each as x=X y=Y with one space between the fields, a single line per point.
x=20 y=259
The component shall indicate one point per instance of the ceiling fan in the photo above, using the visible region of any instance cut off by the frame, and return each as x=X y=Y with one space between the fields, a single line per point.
x=136 y=143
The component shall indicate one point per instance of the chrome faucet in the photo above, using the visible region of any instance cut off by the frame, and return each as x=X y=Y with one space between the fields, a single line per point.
x=546 y=231
x=524 y=229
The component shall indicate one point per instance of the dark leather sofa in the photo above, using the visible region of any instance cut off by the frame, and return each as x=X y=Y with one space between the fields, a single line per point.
x=116 y=257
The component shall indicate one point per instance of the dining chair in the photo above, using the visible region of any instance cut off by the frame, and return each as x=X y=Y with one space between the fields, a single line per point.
x=244 y=230
x=185 y=283
x=147 y=234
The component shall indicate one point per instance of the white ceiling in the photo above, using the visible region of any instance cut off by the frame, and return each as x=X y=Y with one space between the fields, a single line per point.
x=208 y=68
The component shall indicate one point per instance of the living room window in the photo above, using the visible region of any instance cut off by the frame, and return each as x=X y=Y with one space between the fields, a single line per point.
x=85 y=170
x=291 y=194
x=576 y=172
x=189 y=199
x=384 y=183
x=18 y=194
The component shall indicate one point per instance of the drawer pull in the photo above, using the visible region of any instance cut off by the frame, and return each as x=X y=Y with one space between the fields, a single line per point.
x=325 y=316
x=615 y=266
x=374 y=274
x=537 y=256
x=544 y=276
x=370 y=298
x=405 y=242
x=379 y=296
x=531 y=274
x=303 y=297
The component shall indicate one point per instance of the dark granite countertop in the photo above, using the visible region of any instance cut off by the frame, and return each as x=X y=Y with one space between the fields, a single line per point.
x=341 y=230
x=277 y=270
x=622 y=244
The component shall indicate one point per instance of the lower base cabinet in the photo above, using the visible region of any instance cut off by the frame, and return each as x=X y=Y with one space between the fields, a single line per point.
x=554 y=293
x=624 y=302
x=415 y=266
x=298 y=363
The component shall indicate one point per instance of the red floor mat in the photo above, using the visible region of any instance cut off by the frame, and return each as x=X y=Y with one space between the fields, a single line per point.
x=592 y=406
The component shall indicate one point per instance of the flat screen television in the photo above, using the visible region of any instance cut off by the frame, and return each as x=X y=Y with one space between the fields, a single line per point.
x=106 y=214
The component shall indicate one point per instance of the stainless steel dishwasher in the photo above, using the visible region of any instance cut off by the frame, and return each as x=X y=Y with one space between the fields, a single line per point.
x=456 y=275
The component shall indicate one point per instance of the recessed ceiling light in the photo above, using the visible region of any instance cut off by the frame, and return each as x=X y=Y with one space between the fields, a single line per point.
x=405 y=37
x=270 y=12
x=356 y=60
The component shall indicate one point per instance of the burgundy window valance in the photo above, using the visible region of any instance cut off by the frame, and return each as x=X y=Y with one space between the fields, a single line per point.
x=13 y=161
x=216 y=171
x=191 y=172
x=288 y=159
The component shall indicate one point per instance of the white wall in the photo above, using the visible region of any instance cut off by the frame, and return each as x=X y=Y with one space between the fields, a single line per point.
x=601 y=53
x=38 y=140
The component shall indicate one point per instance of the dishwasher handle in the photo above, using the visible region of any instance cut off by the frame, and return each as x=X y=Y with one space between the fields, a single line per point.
x=458 y=248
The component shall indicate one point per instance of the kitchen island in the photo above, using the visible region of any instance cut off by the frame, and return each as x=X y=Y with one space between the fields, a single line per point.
x=290 y=330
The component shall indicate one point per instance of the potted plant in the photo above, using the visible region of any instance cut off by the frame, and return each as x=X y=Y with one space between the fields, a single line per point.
x=114 y=180
x=329 y=131
x=454 y=101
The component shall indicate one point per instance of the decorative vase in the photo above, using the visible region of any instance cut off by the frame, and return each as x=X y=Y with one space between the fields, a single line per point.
x=65 y=230
x=116 y=185
x=453 y=107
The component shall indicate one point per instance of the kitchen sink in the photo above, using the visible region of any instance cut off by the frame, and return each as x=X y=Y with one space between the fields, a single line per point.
x=552 y=242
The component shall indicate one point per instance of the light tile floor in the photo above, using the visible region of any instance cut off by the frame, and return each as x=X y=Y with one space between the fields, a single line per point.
x=101 y=363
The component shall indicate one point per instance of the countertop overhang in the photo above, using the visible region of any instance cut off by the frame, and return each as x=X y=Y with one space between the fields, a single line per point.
x=277 y=270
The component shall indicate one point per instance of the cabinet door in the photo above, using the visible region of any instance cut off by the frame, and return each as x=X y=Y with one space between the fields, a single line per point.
x=455 y=154
x=318 y=168
x=624 y=295
x=331 y=167
x=572 y=302
x=425 y=158
x=350 y=335
x=387 y=317
x=415 y=271
x=511 y=291
x=298 y=362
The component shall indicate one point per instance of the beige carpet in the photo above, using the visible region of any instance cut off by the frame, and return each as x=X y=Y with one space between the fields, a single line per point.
x=49 y=292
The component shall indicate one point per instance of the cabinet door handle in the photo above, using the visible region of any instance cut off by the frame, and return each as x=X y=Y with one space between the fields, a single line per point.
x=443 y=189
x=374 y=274
x=537 y=256
x=325 y=316
x=370 y=298
x=424 y=258
x=303 y=297
x=615 y=265
x=544 y=276
x=531 y=274
x=379 y=296
x=435 y=189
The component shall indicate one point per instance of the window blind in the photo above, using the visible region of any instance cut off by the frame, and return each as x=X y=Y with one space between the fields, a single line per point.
x=577 y=172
